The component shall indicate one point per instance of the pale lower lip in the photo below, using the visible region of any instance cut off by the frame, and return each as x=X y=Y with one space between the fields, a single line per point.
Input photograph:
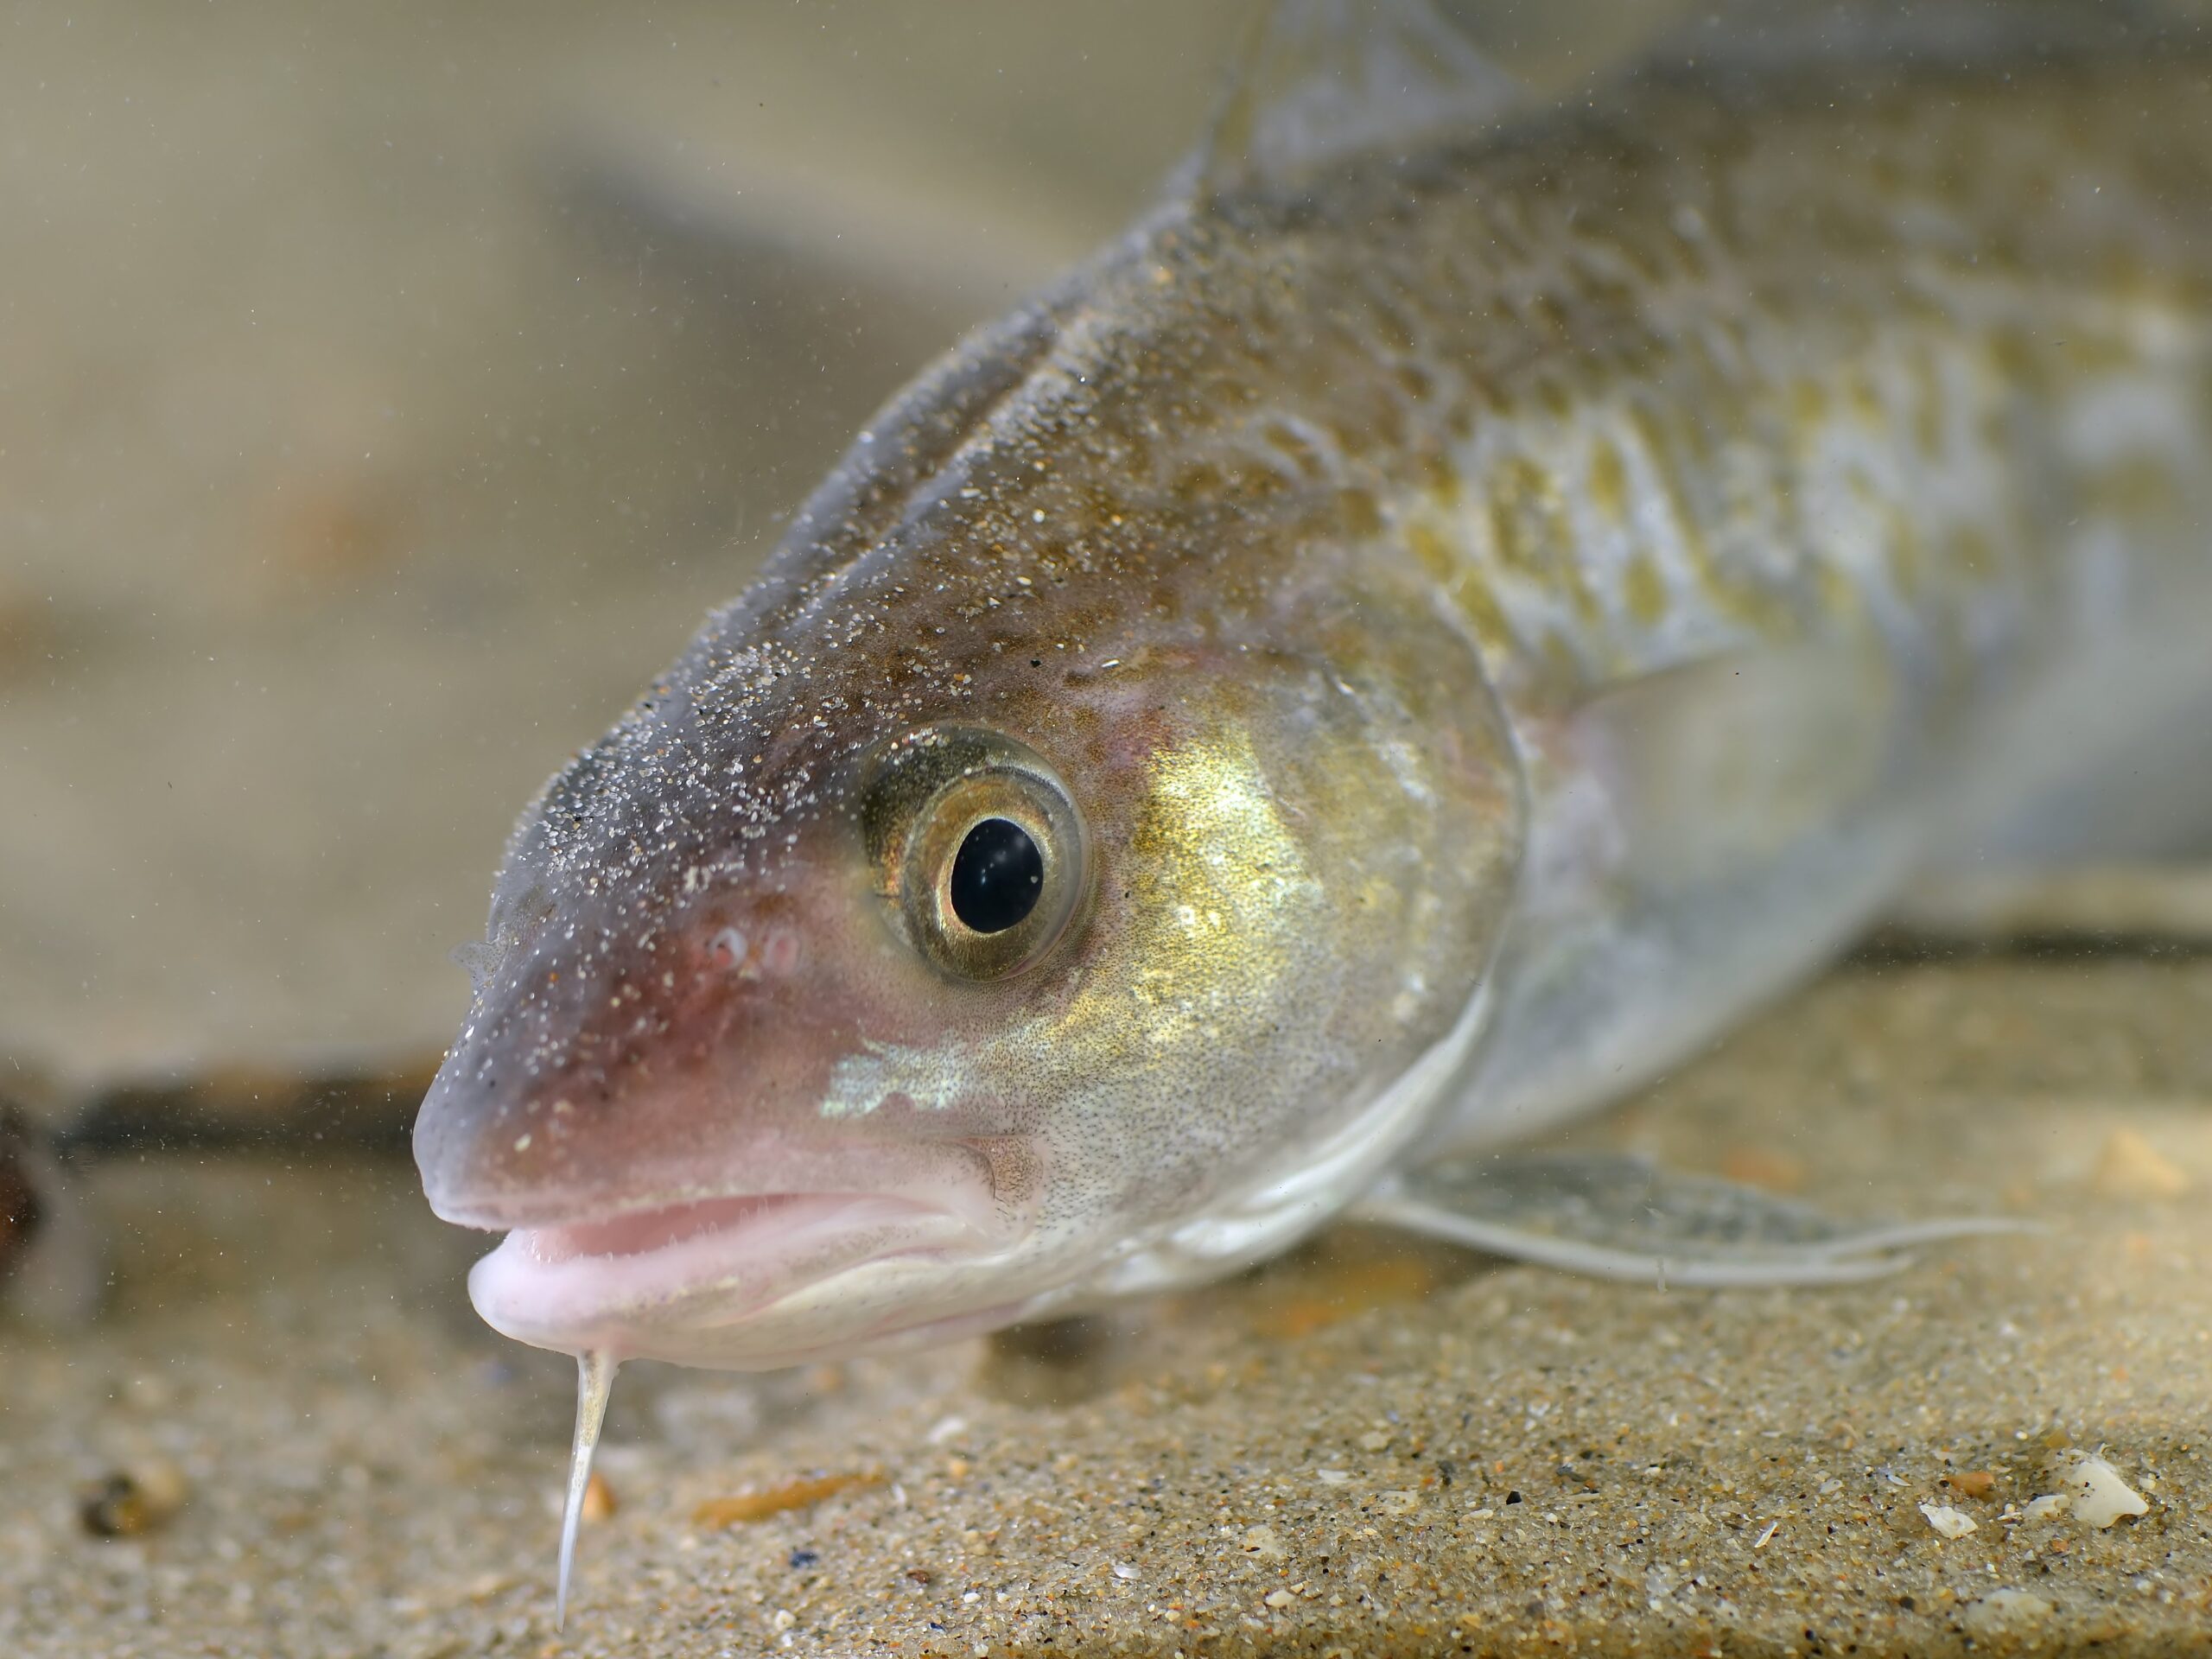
x=594 y=1284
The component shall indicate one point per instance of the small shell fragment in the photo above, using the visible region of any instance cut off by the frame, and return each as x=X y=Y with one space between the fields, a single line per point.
x=2101 y=1496
x=1947 y=1521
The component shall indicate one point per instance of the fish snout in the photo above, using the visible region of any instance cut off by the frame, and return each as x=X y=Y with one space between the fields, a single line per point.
x=580 y=1069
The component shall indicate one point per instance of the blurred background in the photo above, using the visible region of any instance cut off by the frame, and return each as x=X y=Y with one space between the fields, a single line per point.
x=385 y=394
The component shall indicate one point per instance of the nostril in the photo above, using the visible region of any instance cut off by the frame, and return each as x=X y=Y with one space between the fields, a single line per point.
x=732 y=950
x=728 y=950
x=779 y=954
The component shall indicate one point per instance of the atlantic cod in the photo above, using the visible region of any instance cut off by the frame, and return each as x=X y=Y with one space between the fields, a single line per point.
x=1469 y=597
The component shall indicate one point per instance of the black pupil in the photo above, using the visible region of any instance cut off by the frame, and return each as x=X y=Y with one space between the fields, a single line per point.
x=997 y=876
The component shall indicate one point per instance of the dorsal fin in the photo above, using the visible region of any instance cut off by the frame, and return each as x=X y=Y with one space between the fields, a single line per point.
x=1321 y=80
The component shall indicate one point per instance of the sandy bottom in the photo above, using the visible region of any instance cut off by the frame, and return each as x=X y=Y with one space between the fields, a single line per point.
x=1367 y=1448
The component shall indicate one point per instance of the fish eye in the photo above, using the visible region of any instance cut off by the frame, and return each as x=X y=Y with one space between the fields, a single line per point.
x=998 y=875
x=978 y=847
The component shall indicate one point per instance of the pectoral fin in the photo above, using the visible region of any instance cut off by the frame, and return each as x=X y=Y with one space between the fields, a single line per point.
x=1702 y=838
x=1616 y=1216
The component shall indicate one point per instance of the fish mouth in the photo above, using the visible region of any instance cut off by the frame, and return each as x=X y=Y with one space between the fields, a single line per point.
x=623 y=1283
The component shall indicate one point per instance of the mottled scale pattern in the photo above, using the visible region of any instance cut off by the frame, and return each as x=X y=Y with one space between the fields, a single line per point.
x=1636 y=401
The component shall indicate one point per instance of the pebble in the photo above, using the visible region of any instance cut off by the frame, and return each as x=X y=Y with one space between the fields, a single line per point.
x=1979 y=1483
x=127 y=1503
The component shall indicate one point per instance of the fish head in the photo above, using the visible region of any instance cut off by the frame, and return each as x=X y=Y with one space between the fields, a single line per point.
x=919 y=953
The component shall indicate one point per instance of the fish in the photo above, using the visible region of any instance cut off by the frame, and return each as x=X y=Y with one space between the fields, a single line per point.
x=1470 y=597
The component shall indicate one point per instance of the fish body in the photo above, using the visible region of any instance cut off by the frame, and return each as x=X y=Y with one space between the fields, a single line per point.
x=1399 y=649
